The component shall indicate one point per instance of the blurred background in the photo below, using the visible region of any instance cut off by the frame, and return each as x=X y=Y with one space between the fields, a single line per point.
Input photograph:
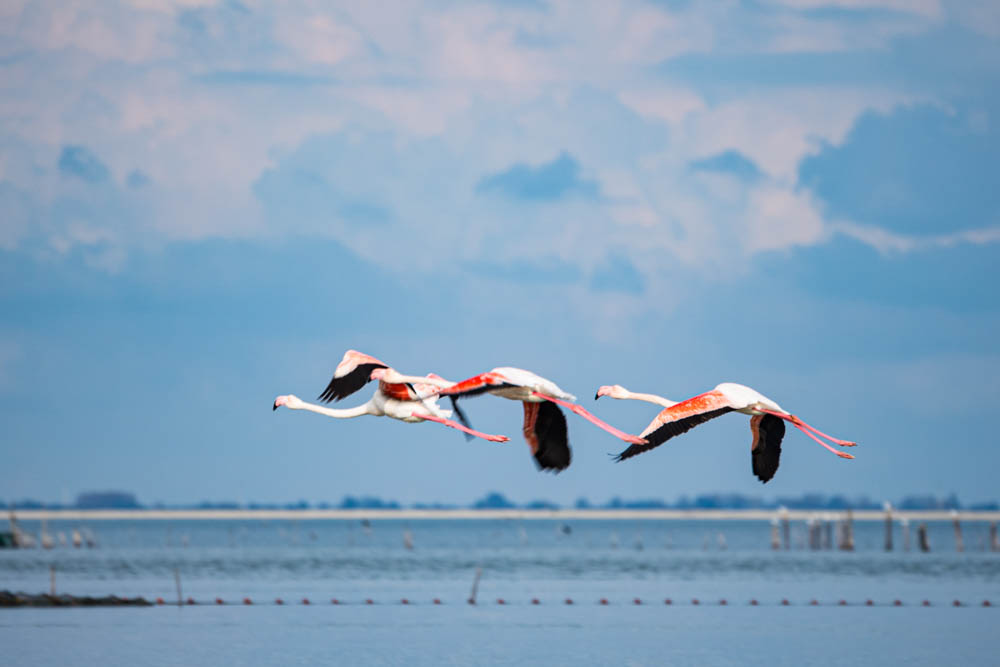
x=204 y=204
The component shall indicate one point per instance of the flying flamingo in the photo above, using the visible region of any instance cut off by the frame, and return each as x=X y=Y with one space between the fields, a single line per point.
x=767 y=422
x=544 y=423
x=397 y=396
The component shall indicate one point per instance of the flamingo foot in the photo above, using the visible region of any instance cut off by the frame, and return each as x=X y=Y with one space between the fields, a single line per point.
x=455 y=425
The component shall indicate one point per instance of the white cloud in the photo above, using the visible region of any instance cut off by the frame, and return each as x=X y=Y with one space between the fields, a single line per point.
x=928 y=8
x=888 y=242
x=460 y=92
x=778 y=218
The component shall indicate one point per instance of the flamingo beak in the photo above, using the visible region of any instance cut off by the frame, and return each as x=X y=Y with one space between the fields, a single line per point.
x=278 y=402
x=602 y=391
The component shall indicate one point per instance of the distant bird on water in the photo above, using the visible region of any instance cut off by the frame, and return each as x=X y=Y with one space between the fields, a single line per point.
x=767 y=422
x=397 y=396
x=544 y=423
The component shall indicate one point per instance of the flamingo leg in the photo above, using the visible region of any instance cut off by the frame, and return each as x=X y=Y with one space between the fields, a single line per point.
x=837 y=441
x=573 y=407
x=797 y=423
x=456 y=425
x=801 y=424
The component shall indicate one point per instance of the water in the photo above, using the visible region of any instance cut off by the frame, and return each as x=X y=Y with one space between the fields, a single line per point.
x=520 y=560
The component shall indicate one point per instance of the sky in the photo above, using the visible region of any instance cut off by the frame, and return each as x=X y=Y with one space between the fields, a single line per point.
x=204 y=204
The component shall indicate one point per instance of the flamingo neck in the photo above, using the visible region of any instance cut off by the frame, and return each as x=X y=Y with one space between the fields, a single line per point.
x=651 y=398
x=348 y=413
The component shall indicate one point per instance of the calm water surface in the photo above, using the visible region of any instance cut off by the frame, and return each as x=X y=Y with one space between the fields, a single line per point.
x=520 y=560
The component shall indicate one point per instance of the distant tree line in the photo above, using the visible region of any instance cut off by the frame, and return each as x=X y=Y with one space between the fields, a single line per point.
x=496 y=500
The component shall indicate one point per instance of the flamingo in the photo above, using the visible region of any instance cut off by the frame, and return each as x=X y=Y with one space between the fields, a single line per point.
x=767 y=422
x=544 y=423
x=397 y=396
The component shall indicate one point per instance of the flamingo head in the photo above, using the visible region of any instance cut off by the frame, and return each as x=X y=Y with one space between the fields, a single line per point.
x=614 y=391
x=291 y=401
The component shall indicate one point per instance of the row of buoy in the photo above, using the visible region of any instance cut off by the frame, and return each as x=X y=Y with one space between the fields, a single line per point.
x=753 y=602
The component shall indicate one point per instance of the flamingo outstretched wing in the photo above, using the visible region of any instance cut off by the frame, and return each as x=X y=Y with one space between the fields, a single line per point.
x=679 y=419
x=353 y=372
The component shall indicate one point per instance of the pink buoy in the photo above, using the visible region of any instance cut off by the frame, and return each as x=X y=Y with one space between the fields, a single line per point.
x=814 y=602
x=190 y=600
x=636 y=601
x=500 y=601
x=784 y=602
x=159 y=600
x=305 y=600
x=218 y=600
x=404 y=601
x=334 y=601
x=369 y=601
x=437 y=600
x=927 y=603
x=843 y=603
x=279 y=601
x=535 y=601
x=897 y=603
x=694 y=601
x=986 y=603
x=869 y=603
x=668 y=601
x=723 y=602
x=753 y=603
x=569 y=601
x=604 y=600
x=247 y=601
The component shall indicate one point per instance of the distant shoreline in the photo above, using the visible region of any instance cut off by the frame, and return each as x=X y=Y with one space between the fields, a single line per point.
x=518 y=514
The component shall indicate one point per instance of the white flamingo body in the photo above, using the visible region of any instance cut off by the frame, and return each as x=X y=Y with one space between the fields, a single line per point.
x=397 y=396
x=766 y=422
x=527 y=386
x=544 y=425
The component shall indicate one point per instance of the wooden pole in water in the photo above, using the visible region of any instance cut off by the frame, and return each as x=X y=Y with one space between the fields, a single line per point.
x=905 y=525
x=52 y=580
x=828 y=533
x=776 y=537
x=848 y=542
x=959 y=547
x=786 y=528
x=475 y=585
x=994 y=544
x=922 y=538
x=177 y=582
x=888 y=526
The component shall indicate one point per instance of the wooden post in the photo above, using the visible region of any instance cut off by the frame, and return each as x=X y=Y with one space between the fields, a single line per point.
x=776 y=537
x=475 y=585
x=959 y=547
x=848 y=542
x=828 y=533
x=994 y=544
x=905 y=525
x=786 y=527
x=888 y=526
x=52 y=580
x=922 y=538
x=177 y=582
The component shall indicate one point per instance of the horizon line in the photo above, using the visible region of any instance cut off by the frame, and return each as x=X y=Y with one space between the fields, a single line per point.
x=527 y=514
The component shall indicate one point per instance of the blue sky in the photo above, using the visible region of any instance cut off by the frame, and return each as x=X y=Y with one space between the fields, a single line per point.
x=205 y=203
